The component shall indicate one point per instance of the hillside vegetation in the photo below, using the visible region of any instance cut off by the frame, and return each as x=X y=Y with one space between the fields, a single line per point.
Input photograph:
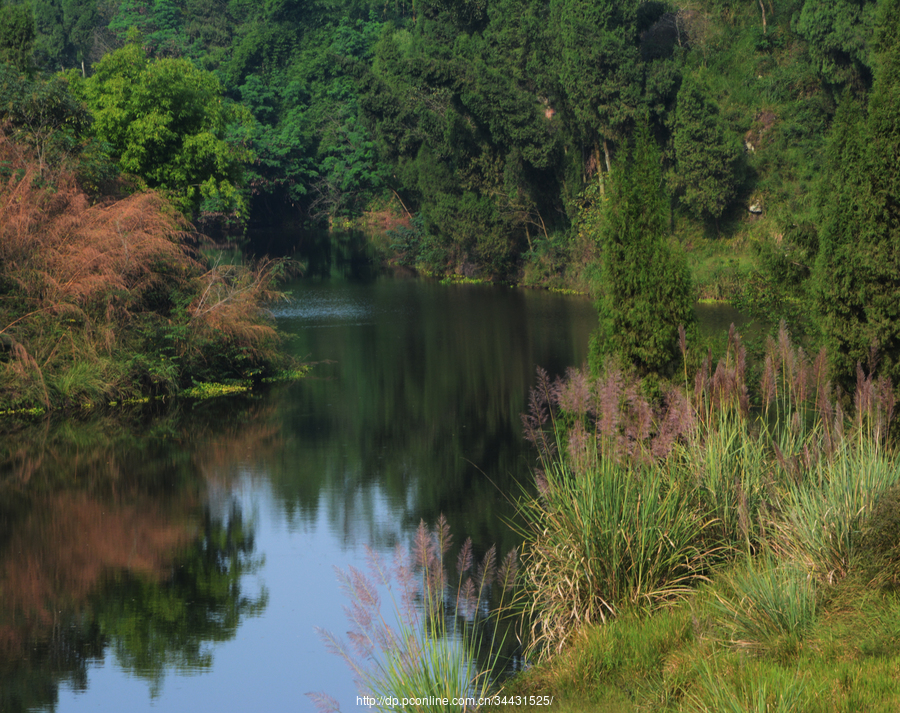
x=487 y=135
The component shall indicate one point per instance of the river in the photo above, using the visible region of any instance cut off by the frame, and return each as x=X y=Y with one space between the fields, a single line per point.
x=178 y=557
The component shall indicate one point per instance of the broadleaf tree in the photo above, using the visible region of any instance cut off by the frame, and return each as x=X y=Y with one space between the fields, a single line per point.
x=167 y=123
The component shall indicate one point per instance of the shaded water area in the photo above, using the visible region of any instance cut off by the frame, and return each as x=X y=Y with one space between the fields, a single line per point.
x=178 y=557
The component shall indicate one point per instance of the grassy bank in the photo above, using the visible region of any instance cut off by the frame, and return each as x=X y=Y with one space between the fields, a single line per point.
x=719 y=549
x=841 y=654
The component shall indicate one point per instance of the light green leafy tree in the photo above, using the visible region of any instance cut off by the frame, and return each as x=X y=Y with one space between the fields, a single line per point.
x=167 y=124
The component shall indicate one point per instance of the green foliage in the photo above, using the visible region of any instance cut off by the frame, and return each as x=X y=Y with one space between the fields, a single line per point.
x=597 y=65
x=159 y=22
x=65 y=32
x=644 y=291
x=44 y=115
x=706 y=157
x=488 y=119
x=839 y=33
x=167 y=123
x=477 y=159
x=856 y=277
x=16 y=35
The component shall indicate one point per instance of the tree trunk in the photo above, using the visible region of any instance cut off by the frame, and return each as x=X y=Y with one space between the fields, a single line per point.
x=599 y=168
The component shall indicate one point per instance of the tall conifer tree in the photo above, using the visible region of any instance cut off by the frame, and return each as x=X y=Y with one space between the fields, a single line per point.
x=706 y=157
x=645 y=289
x=857 y=286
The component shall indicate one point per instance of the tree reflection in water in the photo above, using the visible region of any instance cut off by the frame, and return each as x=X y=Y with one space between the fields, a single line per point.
x=108 y=549
x=153 y=622
x=159 y=626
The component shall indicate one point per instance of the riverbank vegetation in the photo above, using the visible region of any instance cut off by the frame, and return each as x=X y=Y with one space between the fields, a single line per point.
x=108 y=299
x=721 y=548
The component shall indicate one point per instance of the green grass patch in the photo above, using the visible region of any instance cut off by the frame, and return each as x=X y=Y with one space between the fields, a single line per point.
x=210 y=390
x=289 y=375
x=608 y=537
x=565 y=291
x=767 y=605
x=32 y=411
x=463 y=280
x=685 y=657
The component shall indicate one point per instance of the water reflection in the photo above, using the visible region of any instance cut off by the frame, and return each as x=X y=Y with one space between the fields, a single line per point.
x=109 y=548
x=417 y=410
x=157 y=626
x=201 y=537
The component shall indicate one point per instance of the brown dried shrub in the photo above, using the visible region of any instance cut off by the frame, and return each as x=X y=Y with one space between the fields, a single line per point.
x=59 y=250
x=96 y=298
x=230 y=303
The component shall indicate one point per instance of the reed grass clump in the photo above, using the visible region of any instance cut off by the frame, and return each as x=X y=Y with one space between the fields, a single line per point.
x=640 y=499
x=767 y=605
x=609 y=538
x=824 y=514
x=429 y=643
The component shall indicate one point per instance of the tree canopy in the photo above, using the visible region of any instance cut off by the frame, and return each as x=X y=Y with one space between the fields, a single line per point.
x=168 y=124
x=858 y=268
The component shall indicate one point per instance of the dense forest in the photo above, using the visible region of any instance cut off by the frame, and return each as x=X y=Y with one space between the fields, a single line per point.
x=637 y=150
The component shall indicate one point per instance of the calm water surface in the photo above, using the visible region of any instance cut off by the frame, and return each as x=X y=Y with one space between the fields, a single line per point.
x=179 y=561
